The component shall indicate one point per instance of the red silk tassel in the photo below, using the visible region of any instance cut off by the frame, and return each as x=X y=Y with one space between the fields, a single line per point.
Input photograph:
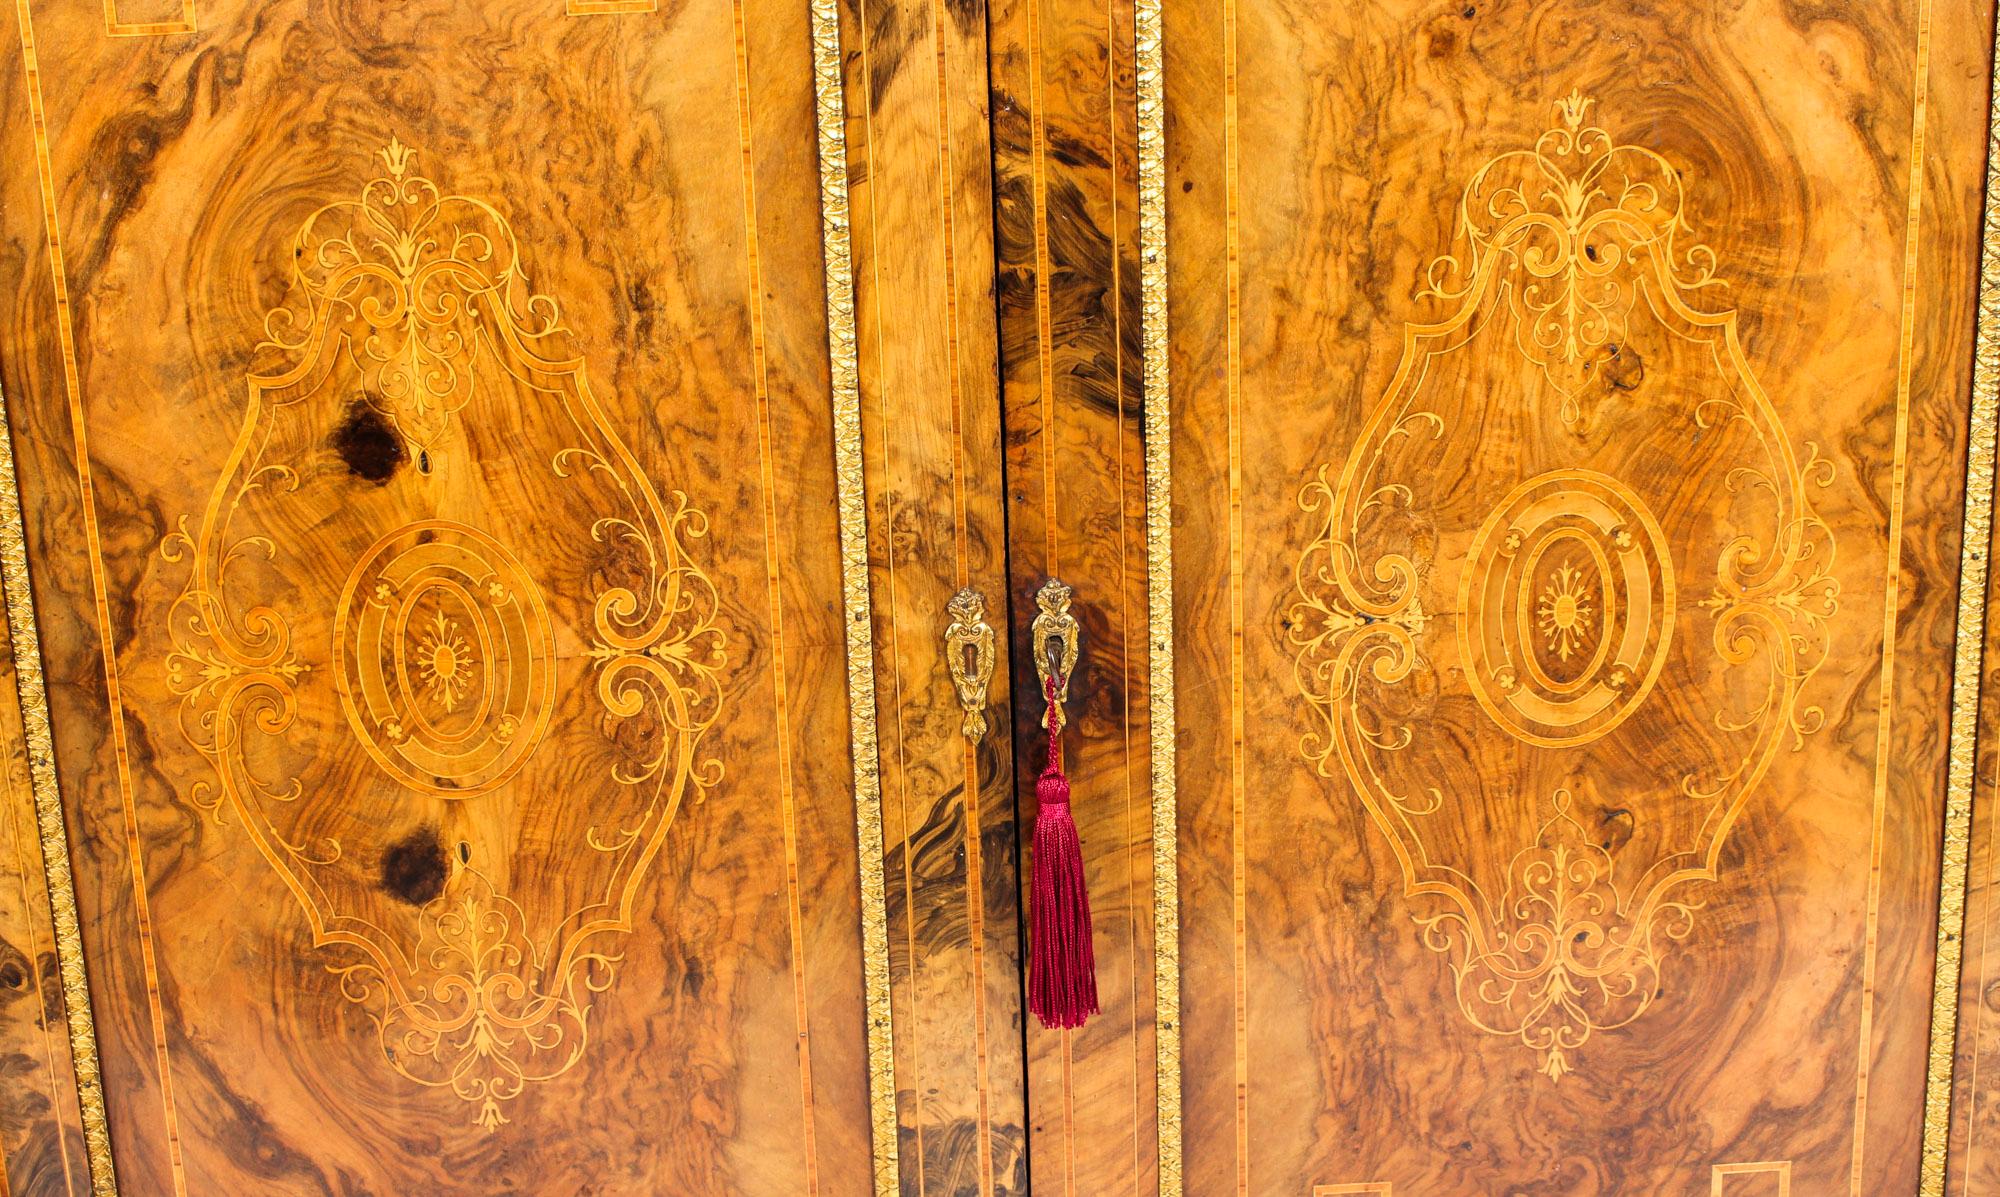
x=1062 y=965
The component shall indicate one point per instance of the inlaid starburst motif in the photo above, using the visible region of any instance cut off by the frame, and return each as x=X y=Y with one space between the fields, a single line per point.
x=445 y=662
x=1563 y=612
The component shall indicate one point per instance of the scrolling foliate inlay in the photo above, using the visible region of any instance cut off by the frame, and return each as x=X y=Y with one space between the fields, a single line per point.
x=1593 y=632
x=441 y=645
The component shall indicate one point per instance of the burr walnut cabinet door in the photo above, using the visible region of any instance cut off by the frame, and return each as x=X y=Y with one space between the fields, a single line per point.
x=1569 y=410
x=1066 y=236
x=426 y=455
x=921 y=170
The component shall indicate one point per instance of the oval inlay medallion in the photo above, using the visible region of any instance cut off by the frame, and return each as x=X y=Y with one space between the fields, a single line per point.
x=1568 y=602
x=445 y=658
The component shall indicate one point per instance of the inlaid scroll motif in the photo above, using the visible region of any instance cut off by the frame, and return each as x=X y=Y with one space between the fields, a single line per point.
x=1560 y=604
x=441 y=644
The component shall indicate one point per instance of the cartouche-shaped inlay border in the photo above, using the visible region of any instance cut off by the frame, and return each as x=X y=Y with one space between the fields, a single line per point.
x=1568 y=600
x=436 y=649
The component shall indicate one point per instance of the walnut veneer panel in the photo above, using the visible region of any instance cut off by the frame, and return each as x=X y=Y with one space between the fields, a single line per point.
x=1065 y=149
x=41 y=1127
x=921 y=172
x=1973 y=1164
x=425 y=437
x=1568 y=421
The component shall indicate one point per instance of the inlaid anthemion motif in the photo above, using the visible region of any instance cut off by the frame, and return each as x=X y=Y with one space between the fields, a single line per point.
x=1531 y=605
x=375 y=640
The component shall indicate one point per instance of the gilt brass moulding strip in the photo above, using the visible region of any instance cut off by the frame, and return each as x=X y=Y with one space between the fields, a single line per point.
x=1150 y=59
x=19 y=592
x=1967 y=666
x=830 y=111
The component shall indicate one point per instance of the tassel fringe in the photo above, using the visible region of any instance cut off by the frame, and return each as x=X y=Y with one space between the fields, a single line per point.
x=1062 y=962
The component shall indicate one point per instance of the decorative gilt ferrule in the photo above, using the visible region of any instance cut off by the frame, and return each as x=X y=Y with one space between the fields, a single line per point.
x=1055 y=645
x=969 y=652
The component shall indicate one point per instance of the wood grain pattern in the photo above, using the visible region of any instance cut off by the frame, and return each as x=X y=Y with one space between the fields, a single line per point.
x=1067 y=239
x=181 y=171
x=681 y=250
x=41 y=1130
x=1316 y=164
x=921 y=177
x=1973 y=1167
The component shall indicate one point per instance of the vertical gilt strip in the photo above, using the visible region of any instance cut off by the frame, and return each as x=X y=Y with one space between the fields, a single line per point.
x=28 y=680
x=1149 y=56
x=1965 y=681
x=831 y=111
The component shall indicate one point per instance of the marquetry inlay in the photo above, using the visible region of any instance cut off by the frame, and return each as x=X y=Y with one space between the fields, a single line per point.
x=1568 y=602
x=444 y=658
x=1562 y=587
x=413 y=376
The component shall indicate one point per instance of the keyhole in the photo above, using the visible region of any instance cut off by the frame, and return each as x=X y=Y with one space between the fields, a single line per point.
x=1055 y=653
x=971 y=652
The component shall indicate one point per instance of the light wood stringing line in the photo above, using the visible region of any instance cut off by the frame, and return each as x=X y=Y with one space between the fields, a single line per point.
x=774 y=594
x=1892 y=589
